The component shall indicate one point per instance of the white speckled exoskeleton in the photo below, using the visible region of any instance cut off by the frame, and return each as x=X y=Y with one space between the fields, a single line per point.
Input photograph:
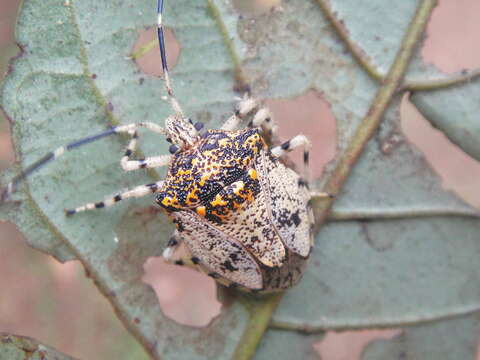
x=241 y=216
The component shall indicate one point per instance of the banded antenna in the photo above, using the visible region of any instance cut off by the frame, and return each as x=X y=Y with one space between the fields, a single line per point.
x=129 y=129
x=161 y=40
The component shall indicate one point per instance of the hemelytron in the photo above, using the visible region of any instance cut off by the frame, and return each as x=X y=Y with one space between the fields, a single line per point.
x=241 y=216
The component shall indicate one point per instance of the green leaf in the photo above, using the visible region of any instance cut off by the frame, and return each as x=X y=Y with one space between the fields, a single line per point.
x=14 y=347
x=393 y=231
x=454 y=111
x=403 y=249
x=280 y=344
x=447 y=339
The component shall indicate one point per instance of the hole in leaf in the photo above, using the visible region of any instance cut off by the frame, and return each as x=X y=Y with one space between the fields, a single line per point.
x=42 y=298
x=149 y=62
x=459 y=171
x=185 y=295
x=349 y=344
x=454 y=23
x=308 y=114
x=253 y=7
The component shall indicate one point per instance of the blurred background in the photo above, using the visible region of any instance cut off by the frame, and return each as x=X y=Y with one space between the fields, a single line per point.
x=42 y=298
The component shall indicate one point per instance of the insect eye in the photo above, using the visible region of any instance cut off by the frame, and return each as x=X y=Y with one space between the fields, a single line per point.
x=173 y=149
x=198 y=126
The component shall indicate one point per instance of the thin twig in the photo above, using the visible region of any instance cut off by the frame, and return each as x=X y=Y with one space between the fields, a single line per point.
x=364 y=60
x=262 y=313
x=452 y=80
x=374 y=116
x=398 y=213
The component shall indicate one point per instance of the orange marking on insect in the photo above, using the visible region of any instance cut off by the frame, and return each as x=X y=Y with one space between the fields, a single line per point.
x=191 y=198
x=218 y=201
x=253 y=174
x=201 y=210
x=167 y=201
x=237 y=187
x=224 y=142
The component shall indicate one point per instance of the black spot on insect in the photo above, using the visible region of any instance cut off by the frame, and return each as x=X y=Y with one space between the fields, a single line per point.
x=255 y=239
x=179 y=262
x=153 y=187
x=228 y=266
x=117 y=198
x=99 y=205
x=285 y=145
x=302 y=183
x=214 y=275
x=296 y=218
x=305 y=157
x=195 y=260
x=172 y=242
x=173 y=149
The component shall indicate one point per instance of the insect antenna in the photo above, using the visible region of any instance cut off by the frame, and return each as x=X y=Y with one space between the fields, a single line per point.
x=129 y=129
x=49 y=157
x=161 y=40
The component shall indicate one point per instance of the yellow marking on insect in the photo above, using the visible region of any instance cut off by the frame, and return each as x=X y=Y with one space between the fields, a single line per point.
x=201 y=210
x=167 y=201
x=218 y=201
x=184 y=172
x=237 y=187
x=224 y=142
x=203 y=179
x=253 y=174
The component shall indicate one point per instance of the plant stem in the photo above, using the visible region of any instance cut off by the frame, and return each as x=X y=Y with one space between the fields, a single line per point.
x=262 y=313
x=379 y=105
x=260 y=317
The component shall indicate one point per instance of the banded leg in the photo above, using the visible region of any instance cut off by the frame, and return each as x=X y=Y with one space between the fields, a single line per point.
x=150 y=162
x=287 y=146
x=293 y=143
x=262 y=117
x=178 y=254
x=136 y=192
x=59 y=152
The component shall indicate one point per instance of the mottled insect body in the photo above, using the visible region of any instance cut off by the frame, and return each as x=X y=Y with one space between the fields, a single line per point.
x=241 y=216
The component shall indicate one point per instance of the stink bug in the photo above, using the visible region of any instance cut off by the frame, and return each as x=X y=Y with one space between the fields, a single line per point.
x=241 y=216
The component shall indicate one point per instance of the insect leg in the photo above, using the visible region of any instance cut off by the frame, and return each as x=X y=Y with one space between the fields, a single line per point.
x=59 y=152
x=262 y=117
x=244 y=107
x=150 y=162
x=287 y=146
x=136 y=192
x=177 y=253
